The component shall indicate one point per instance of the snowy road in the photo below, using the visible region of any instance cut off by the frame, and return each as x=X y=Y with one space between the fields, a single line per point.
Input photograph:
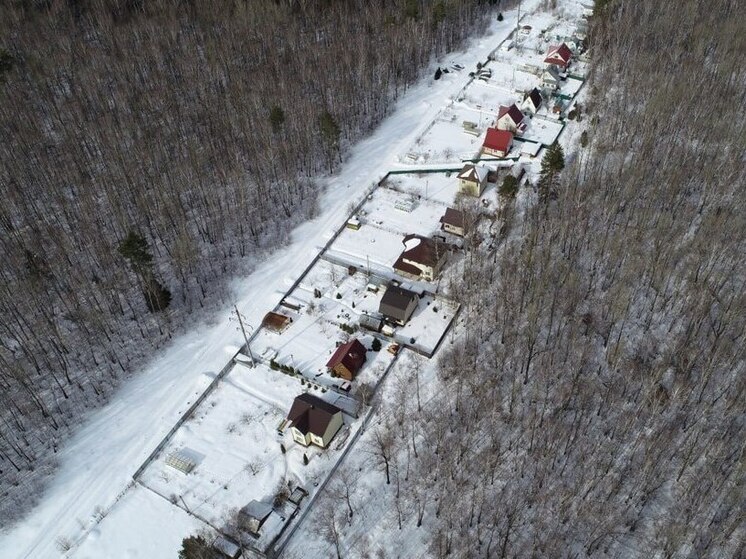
x=98 y=462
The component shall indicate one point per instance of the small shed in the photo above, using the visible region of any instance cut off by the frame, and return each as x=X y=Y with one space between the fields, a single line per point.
x=276 y=322
x=252 y=516
x=370 y=322
x=226 y=548
x=297 y=495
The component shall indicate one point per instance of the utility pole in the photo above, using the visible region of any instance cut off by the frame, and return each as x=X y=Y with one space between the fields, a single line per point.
x=240 y=317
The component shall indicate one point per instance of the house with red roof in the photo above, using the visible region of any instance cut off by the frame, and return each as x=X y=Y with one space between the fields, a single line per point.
x=559 y=55
x=347 y=360
x=509 y=118
x=497 y=142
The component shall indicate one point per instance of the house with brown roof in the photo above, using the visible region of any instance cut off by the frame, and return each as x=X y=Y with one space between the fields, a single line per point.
x=559 y=55
x=453 y=222
x=421 y=259
x=314 y=421
x=398 y=304
x=472 y=179
x=347 y=360
x=510 y=119
x=497 y=142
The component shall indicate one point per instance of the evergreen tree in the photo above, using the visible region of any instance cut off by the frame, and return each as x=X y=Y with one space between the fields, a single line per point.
x=376 y=345
x=438 y=73
x=509 y=187
x=196 y=547
x=551 y=166
x=135 y=249
x=276 y=118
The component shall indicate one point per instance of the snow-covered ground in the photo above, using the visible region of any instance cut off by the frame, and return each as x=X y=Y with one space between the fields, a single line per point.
x=96 y=465
x=234 y=442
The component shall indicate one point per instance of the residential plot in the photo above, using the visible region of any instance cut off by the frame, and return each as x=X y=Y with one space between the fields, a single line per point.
x=330 y=301
x=444 y=142
x=542 y=130
x=421 y=214
x=229 y=453
x=488 y=96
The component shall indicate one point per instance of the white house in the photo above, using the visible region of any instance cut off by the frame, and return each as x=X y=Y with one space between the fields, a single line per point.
x=532 y=101
x=550 y=78
x=509 y=118
x=472 y=179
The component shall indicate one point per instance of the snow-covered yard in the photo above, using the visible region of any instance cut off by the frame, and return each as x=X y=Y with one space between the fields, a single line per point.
x=542 y=130
x=234 y=443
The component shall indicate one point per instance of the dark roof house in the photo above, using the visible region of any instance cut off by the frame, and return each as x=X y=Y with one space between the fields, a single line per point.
x=398 y=304
x=253 y=515
x=532 y=102
x=422 y=258
x=509 y=118
x=314 y=420
x=453 y=222
x=347 y=359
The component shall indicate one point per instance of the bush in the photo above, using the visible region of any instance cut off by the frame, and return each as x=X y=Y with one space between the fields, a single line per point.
x=584 y=139
x=376 y=345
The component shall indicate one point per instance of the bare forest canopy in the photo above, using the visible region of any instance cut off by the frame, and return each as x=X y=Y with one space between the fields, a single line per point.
x=151 y=148
x=595 y=406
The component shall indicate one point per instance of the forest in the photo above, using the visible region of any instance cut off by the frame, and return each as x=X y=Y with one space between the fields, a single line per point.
x=152 y=150
x=595 y=405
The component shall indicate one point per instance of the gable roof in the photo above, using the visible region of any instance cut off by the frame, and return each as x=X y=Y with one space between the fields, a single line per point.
x=552 y=72
x=453 y=217
x=310 y=414
x=257 y=509
x=474 y=173
x=535 y=97
x=512 y=111
x=499 y=140
x=398 y=297
x=558 y=53
x=351 y=355
x=422 y=250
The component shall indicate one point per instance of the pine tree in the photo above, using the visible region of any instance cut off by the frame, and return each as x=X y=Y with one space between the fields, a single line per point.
x=551 y=166
x=509 y=187
x=276 y=118
x=195 y=547
x=135 y=249
x=438 y=73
